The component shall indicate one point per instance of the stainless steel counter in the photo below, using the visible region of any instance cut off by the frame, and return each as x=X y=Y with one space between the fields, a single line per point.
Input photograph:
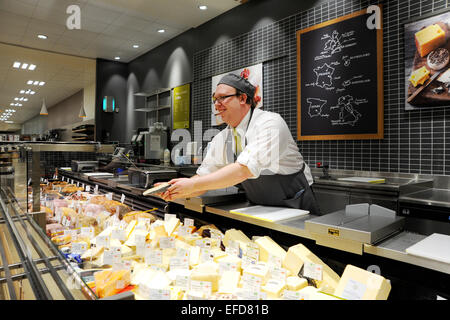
x=430 y=197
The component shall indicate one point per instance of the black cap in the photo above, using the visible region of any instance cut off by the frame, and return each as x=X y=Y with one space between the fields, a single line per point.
x=239 y=83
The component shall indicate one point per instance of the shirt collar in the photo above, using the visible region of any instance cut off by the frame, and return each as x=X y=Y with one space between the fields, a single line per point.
x=242 y=126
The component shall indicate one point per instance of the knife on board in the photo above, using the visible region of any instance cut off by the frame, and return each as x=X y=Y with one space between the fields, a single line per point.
x=434 y=76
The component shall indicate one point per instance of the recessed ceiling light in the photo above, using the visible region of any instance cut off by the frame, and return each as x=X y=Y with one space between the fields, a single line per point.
x=35 y=83
x=16 y=65
x=16 y=99
x=42 y=36
x=202 y=7
x=135 y=46
x=117 y=58
x=41 y=83
x=22 y=91
x=161 y=30
x=24 y=65
x=32 y=67
x=32 y=92
x=25 y=99
x=30 y=82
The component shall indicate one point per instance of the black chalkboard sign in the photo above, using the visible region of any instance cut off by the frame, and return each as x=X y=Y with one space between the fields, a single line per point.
x=340 y=80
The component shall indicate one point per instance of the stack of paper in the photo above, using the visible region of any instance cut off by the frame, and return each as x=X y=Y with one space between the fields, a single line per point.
x=271 y=214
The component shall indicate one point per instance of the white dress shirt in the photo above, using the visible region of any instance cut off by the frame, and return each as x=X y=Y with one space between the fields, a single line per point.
x=268 y=147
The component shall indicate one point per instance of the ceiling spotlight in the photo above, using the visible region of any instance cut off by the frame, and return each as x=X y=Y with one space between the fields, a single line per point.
x=42 y=36
x=135 y=46
x=117 y=58
x=202 y=7
x=16 y=65
x=161 y=30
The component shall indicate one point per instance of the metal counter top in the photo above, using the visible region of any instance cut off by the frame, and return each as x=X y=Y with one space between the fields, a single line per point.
x=432 y=197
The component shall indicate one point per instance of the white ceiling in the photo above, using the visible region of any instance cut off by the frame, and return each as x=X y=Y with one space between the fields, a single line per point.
x=109 y=28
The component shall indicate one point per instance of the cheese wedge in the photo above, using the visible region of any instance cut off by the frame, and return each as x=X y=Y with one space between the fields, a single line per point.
x=194 y=256
x=112 y=282
x=269 y=247
x=171 y=225
x=208 y=271
x=92 y=253
x=229 y=281
x=236 y=235
x=429 y=39
x=298 y=254
x=419 y=76
x=295 y=283
x=158 y=232
x=360 y=284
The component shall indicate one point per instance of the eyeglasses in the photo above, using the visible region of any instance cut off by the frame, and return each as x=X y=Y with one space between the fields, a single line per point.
x=220 y=99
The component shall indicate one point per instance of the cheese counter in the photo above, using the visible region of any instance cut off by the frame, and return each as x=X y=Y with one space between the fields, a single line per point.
x=389 y=250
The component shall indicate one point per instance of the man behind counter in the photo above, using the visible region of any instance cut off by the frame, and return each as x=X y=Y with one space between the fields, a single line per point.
x=255 y=149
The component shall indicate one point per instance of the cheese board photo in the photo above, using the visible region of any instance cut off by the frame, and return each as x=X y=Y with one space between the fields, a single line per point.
x=427 y=62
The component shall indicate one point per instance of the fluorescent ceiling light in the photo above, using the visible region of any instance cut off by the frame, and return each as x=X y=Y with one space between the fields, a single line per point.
x=30 y=82
x=32 y=67
x=36 y=83
x=202 y=7
x=22 y=91
x=135 y=46
x=161 y=30
x=41 y=83
x=32 y=92
x=42 y=36
x=25 y=99
x=9 y=121
x=16 y=99
x=21 y=99
x=24 y=65
x=16 y=65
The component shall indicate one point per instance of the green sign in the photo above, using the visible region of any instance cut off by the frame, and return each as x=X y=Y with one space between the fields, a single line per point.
x=181 y=103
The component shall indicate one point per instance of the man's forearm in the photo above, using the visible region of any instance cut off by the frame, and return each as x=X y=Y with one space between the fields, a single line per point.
x=227 y=176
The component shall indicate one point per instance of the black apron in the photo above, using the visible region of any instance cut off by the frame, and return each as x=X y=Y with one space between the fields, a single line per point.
x=290 y=190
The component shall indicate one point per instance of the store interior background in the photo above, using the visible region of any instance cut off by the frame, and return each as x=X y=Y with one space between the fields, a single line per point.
x=264 y=31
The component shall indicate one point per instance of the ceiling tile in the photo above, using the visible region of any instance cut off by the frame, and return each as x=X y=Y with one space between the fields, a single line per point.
x=17 y=7
x=100 y=14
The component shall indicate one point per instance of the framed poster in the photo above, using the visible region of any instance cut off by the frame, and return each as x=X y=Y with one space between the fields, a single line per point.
x=253 y=74
x=181 y=106
x=340 y=79
x=427 y=69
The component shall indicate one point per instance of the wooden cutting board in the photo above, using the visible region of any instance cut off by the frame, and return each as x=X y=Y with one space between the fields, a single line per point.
x=427 y=97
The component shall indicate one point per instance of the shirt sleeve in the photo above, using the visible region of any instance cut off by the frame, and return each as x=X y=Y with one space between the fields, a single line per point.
x=267 y=144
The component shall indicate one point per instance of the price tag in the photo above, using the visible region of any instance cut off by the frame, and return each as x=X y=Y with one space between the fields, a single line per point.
x=166 y=242
x=252 y=251
x=87 y=232
x=143 y=249
x=203 y=243
x=182 y=281
x=88 y=188
x=168 y=216
x=62 y=178
x=278 y=273
x=103 y=241
x=249 y=294
x=123 y=265
x=109 y=195
x=188 y=222
x=312 y=270
x=71 y=181
x=158 y=294
x=139 y=239
x=183 y=231
x=181 y=252
x=232 y=248
x=153 y=257
x=201 y=286
x=112 y=255
x=118 y=233
x=274 y=261
x=96 y=189
x=293 y=295
x=227 y=266
x=179 y=263
x=250 y=282
x=122 y=198
x=78 y=183
x=79 y=247
x=206 y=255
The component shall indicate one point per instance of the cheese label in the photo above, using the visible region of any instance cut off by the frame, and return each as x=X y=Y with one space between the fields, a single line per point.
x=166 y=242
x=71 y=181
x=252 y=251
x=182 y=281
x=153 y=257
x=182 y=252
x=354 y=290
x=188 y=222
x=142 y=248
x=206 y=255
x=87 y=232
x=112 y=255
x=203 y=243
x=227 y=266
x=88 y=188
x=118 y=233
x=249 y=294
x=158 y=294
x=313 y=271
x=109 y=196
x=179 y=263
x=103 y=241
x=78 y=183
x=122 y=198
x=232 y=248
x=168 y=216
x=293 y=295
x=278 y=273
x=96 y=189
x=274 y=261
x=79 y=247
x=183 y=231
x=250 y=282
x=122 y=265
x=201 y=286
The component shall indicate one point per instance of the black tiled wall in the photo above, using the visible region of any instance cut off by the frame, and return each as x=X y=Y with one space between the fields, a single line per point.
x=414 y=141
x=54 y=159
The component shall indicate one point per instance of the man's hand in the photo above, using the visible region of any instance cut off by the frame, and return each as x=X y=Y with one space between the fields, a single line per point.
x=180 y=188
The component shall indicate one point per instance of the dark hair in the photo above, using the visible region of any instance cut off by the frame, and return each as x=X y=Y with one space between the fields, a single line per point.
x=251 y=101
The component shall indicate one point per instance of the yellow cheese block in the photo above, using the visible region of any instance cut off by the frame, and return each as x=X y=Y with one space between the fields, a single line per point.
x=298 y=254
x=229 y=281
x=112 y=282
x=258 y=270
x=158 y=232
x=295 y=283
x=194 y=256
x=231 y=259
x=129 y=229
x=419 y=76
x=360 y=284
x=273 y=288
x=208 y=271
x=429 y=39
x=269 y=247
x=236 y=235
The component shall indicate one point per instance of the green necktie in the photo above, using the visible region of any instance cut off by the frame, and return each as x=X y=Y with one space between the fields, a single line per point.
x=237 y=140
